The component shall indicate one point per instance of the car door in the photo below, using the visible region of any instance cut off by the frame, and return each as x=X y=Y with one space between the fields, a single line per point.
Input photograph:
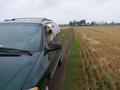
x=52 y=56
x=40 y=67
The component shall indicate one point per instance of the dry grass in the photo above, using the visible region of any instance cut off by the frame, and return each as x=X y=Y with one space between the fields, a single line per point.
x=99 y=50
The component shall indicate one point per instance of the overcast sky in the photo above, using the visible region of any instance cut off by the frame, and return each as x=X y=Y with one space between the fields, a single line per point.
x=62 y=11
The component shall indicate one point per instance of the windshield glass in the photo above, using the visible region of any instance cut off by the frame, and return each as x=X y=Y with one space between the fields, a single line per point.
x=20 y=36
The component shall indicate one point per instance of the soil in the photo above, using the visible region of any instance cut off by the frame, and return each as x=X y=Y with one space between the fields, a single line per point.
x=58 y=78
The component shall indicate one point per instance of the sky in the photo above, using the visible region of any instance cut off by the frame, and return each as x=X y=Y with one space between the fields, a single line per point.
x=62 y=11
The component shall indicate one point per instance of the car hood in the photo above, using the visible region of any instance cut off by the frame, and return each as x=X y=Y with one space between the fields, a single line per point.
x=14 y=71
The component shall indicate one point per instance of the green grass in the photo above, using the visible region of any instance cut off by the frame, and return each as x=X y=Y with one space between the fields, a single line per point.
x=73 y=69
x=63 y=35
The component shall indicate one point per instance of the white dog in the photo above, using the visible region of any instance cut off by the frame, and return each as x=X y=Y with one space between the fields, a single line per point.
x=52 y=31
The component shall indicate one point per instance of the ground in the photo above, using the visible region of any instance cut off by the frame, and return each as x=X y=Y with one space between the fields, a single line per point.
x=91 y=59
x=57 y=80
x=99 y=49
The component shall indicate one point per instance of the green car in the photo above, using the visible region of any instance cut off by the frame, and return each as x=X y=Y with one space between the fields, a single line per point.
x=26 y=60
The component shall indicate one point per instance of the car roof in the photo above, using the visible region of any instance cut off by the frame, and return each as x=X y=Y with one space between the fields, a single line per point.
x=28 y=20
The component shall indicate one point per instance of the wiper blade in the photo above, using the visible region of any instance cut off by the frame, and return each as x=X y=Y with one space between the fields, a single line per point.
x=12 y=50
x=9 y=54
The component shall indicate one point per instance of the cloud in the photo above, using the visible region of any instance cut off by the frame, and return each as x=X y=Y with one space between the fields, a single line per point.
x=62 y=11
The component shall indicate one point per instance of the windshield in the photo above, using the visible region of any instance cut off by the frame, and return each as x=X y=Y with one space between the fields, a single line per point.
x=20 y=36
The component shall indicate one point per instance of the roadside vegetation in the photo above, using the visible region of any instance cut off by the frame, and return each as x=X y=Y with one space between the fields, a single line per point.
x=63 y=34
x=73 y=67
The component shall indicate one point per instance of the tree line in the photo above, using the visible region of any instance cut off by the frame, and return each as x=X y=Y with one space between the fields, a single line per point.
x=93 y=23
x=81 y=23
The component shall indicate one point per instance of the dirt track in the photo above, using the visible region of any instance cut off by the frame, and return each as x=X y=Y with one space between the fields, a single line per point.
x=56 y=82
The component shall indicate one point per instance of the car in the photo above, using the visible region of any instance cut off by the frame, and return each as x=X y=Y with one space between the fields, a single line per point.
x=27 y=61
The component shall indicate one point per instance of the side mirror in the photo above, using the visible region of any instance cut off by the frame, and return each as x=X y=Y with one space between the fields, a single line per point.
x=54 y=47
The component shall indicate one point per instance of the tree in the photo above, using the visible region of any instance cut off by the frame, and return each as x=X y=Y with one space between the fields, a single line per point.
x=113 y=22
x=77 y=23
x=92 y=23
x=106 y=23
x=71 y=23
x=88 y=23
x=83 y=22
x=80 y=23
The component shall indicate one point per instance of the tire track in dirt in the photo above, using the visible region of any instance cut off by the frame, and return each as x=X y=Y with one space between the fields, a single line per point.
x=56 y=82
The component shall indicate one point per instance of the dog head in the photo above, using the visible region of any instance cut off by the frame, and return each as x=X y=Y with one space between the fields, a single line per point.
x=49 y=29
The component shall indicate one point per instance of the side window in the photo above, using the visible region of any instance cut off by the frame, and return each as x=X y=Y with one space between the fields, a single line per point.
x=56 y=31
x=48 y=34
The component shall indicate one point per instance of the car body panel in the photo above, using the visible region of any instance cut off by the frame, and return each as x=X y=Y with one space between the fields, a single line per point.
x=14 y=71
x=40 y=67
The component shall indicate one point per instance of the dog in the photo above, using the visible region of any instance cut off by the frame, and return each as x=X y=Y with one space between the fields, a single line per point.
x=50 y=32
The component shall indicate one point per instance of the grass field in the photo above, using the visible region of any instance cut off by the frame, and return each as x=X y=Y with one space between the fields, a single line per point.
x=94 y=59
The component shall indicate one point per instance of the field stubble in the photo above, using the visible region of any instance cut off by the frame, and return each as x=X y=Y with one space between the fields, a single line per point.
x=99 y=49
